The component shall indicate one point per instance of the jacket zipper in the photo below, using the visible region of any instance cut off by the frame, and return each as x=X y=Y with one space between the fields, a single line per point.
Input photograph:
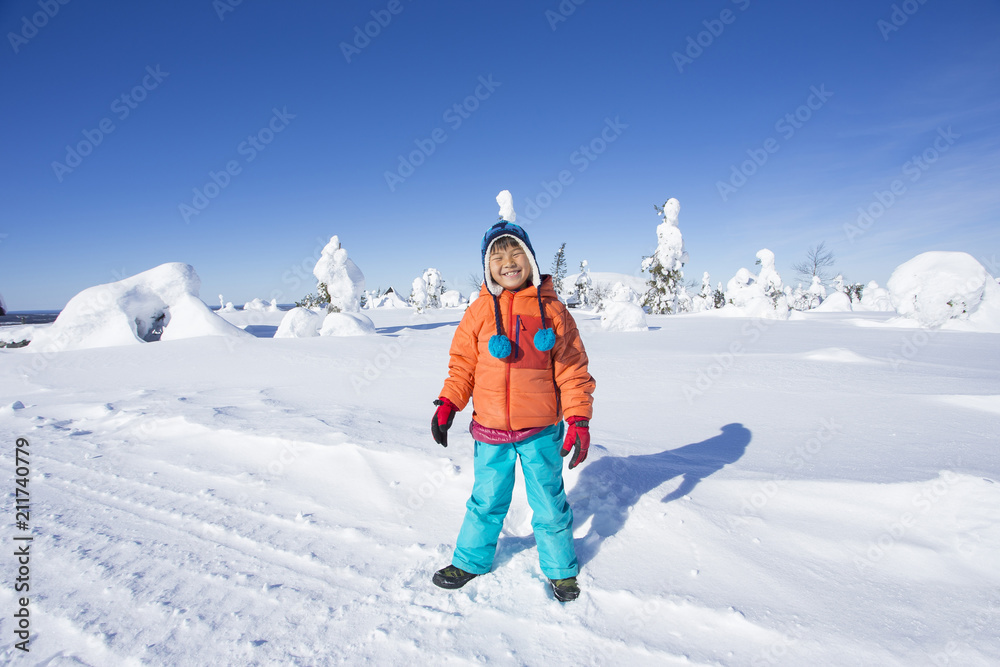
x=510 y=321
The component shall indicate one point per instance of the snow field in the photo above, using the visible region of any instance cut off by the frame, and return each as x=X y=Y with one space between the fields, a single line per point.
x=826 y=495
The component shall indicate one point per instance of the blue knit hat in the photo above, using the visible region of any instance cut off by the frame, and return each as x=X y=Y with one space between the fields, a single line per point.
x=499 y=345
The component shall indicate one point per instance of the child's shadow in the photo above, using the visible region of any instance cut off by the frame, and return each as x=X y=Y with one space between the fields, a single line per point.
x=609 y=487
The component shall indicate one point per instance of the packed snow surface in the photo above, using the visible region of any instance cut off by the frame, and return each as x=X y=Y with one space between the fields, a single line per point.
x=750 y=499
x=161 y=302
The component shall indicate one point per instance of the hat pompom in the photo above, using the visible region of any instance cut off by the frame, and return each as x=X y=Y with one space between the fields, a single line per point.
x=545 y=339
x=500 y=346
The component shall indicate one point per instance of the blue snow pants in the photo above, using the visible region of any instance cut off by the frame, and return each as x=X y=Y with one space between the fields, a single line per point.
x=551 y=520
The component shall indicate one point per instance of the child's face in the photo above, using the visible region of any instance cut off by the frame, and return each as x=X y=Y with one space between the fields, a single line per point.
x=510 y=267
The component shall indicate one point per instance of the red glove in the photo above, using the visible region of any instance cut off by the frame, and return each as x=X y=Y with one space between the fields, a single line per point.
x=577 y=440
x=441 y=421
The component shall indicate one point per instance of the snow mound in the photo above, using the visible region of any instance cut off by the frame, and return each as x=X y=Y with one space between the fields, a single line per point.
x=837 y=354
x=347 y=324
x=623 y=316
x=939 y=288
x=838 y=302
x=159 y=304
x=299 y=323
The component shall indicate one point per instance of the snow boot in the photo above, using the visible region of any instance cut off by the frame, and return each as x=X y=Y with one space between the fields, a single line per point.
x=565 y=590
x=452 y=577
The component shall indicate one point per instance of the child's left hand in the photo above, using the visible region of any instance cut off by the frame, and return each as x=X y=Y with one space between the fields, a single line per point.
x=577 y=440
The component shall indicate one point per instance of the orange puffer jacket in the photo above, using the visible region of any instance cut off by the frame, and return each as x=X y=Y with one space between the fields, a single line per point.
x=529 y=388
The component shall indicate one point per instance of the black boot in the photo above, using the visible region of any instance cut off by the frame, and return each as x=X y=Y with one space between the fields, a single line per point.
x=565 y=590
x=452 y=577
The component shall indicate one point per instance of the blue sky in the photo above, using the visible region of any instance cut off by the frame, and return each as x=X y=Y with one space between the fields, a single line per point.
x=203 y=81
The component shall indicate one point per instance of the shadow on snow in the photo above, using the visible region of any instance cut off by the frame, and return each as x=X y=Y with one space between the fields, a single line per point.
x=609 y=487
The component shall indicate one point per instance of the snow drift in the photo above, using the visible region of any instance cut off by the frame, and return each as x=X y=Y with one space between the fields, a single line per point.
x=159 y=304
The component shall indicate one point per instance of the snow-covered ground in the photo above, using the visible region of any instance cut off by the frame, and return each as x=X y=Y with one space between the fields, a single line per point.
x=819 y=491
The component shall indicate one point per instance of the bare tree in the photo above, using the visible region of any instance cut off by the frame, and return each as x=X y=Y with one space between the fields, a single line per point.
x=475 y=280
x=818 y=261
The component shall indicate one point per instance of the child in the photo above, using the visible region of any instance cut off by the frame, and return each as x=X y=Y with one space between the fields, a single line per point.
x=518 y=354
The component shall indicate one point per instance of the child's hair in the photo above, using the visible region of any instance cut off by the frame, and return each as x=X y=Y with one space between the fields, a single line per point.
x=503 y=243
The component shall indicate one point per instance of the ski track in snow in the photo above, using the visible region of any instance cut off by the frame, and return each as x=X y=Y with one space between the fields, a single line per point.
x=191 y=516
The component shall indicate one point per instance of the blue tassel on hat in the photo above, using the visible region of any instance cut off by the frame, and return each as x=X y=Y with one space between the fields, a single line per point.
x=500 y=346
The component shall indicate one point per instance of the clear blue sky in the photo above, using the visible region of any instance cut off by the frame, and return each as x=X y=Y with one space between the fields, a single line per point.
x=681 y=127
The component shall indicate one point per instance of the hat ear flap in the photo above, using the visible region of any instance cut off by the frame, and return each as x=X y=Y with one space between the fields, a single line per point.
x=545 y=339
x=500 y=346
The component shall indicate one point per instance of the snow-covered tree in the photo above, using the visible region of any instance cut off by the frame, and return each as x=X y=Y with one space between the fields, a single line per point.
x=818 y=261
x=718 y=296
x=418 y=295
x=666 y=289
x=584 y=285
x=559 y=270
x=816 y=292
x=703 y=300
x=435 y=287
x=760 y=295
x=340 y=278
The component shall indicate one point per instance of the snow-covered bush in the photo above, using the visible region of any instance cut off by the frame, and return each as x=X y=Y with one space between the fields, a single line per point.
x=299 y=323
x=342 y=279
x=666 y=289
x=435 y=287
x=418 y=295
x=936 y=287
x=347 y=324
x=705 y=299
x=159 y=304
x=452 y=299
x=759 y=295
x=876 y=298
x=226 y=306
x=257 y=305
x=816 y=292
